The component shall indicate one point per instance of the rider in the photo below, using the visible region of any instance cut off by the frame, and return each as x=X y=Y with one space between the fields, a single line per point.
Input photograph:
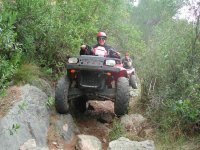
x=127 y=61
x=101 y=41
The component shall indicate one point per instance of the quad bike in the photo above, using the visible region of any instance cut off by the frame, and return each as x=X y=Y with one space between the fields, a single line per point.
x=93 y=77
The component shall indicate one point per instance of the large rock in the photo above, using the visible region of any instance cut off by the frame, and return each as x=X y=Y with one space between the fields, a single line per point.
x=44 y=86
x=88 y=142
x=30 y=115
x=133 y=122
x=65 y=126
x=31 y=145
x=126 y=144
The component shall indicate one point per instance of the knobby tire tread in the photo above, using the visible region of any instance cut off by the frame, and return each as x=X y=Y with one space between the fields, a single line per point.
x=122 y=96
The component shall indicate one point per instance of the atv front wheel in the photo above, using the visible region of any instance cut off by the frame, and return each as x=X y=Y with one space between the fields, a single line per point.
x=61 y=95
x=122 y=97
x=133 y=82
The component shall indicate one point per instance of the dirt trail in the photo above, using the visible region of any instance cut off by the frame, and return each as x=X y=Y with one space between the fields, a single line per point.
x=97 y=121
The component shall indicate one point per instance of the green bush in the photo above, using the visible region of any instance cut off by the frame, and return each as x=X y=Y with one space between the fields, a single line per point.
x=50 y=31
x=185 y=110
x=170 y=73
x=10 y=51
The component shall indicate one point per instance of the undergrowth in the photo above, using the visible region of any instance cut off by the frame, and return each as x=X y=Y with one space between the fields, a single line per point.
x=117 y=130
x=27 y=73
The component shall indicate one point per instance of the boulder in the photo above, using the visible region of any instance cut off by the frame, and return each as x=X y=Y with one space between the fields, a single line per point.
x=133 y=122
x=88 y=142
x=65 y=127
x=27 y=119
x=126 y=144
x=44 y=86
x=31 y=145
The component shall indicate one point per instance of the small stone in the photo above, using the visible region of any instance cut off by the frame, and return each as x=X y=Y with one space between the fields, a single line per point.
x=104 y=140
x=54 y=143
x=65 y=127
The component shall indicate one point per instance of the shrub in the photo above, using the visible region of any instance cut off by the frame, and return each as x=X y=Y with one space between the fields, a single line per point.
x=10 y=51
x=27 y=73
x=171 y=77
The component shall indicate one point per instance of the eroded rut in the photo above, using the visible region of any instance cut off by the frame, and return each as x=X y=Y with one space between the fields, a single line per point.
x=96 y=121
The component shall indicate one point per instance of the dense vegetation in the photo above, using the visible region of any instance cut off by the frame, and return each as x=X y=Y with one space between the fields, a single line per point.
x=40 y=34
x=170 y=66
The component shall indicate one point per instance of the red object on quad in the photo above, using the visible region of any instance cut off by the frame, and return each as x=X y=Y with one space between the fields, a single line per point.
x=93 y=77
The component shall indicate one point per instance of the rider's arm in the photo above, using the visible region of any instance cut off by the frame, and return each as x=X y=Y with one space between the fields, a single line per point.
x=113 y=53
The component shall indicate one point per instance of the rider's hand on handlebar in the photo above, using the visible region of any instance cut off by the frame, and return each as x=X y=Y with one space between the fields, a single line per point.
x=83 y=47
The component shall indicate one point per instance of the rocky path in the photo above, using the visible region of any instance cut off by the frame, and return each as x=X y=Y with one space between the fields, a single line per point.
x=97 y=121
x=28 y=123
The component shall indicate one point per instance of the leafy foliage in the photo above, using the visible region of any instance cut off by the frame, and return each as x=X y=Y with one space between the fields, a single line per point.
x=14 y=128
x=170 y=70
x=50 y=102
x=150 y=13
x=10 y=52
x=52 y=30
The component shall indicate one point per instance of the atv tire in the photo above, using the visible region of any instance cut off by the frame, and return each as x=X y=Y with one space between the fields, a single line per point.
x=122 y=97
x=133 y=82
x=80 y=104
x=61 y=95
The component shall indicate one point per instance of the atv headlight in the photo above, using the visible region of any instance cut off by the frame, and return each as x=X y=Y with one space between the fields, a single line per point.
x=110 y=62
x=73 y=60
